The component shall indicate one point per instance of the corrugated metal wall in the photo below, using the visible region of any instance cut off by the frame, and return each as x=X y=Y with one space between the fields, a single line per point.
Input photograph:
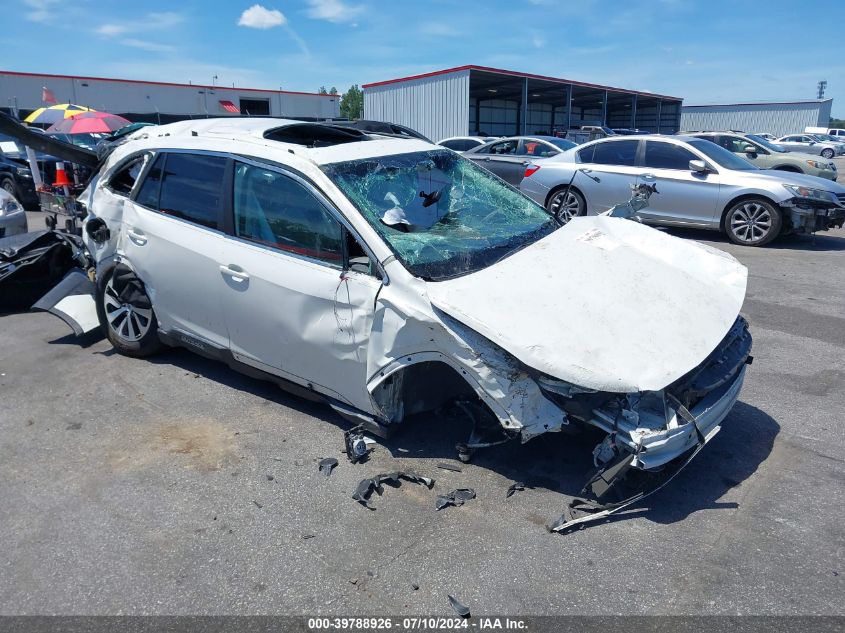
x=24 y=91
x=436 y=106
x=776 y=118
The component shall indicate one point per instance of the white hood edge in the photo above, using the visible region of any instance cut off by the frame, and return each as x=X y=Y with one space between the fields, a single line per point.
x=603 y=303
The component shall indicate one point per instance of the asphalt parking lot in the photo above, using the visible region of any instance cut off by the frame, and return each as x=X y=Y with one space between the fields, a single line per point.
x=177 y=486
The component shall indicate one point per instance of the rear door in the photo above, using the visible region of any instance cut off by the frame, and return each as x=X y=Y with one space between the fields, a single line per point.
x=502 y=159
x=297 y=287
x=683 y=197
x=612 y=170
x=173 y=237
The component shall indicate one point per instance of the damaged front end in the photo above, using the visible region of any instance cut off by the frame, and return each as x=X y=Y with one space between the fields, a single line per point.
x=656 y=432
x=811 y=210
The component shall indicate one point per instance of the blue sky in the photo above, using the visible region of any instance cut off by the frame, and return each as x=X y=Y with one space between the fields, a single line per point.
x=706 y=52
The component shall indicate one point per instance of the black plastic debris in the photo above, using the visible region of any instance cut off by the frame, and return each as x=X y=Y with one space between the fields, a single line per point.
x=515 y=487
x=447 y=466
x=416 y=587
x=305 y=537
x=459 y=608
x=327 y=465
x=257 y=505
x=455 y=498
x=357 y=449
x=367 y=486
x=270 y=477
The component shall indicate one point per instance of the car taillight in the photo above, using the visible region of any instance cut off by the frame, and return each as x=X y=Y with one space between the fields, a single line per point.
x=531 y=170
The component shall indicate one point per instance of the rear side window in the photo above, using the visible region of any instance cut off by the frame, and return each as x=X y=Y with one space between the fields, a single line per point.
x=460 y=145
x=273 y=209
x=192 y=188
x=148 y=193
x=123 y=180
x=586 y=154
x=667 y=156
x=616 y=153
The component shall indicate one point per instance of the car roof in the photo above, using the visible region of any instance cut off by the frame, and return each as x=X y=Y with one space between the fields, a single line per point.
x=322 y=143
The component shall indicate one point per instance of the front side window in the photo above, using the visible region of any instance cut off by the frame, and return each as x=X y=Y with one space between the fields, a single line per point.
x=275 y=210
x=441 y=214
x=192 y=188
x=667 y=156
x=721 y=156
x=616 y=153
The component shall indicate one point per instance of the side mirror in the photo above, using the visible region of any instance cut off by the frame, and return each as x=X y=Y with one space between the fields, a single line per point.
x=749 y=149
x=698 y=166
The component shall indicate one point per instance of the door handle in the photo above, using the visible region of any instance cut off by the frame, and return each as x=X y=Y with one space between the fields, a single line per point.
x=137 y=237
x=233 y=272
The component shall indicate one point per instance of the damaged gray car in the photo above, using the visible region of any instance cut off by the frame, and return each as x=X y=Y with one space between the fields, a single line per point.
x=388 y=277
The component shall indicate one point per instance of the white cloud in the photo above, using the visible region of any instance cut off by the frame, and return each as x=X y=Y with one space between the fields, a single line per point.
x=145 y=45
x=333 y=10
x=110 y=30
x=155 y=21
x=260 y=17
x=42 y=10
x=538 y=41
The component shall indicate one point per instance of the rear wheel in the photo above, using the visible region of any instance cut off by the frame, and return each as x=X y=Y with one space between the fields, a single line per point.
x=9 y=185
x=753 y=222
x=827 y=153
x=126 y=313
x=566 y=204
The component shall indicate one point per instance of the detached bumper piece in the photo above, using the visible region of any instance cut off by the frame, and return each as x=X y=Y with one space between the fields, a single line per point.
x=32 y=263
x=72 y=300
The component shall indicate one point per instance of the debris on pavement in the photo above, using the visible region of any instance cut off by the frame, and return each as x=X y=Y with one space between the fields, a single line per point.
x=257 y=505
x=357 y=445
x=514 y=488
x=461 y=609
x=305 y=537
x=415 y=586
x=447 y=466
x=455 y=498
x=327 y=465
x=270 y=477
x=367 y=486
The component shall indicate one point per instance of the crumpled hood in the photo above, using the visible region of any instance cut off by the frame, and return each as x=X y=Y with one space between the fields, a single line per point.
x=603 y=303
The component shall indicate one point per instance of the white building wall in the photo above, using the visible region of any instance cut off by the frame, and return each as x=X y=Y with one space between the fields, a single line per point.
x=436 y=106
x=776 y=118
x=110 y=95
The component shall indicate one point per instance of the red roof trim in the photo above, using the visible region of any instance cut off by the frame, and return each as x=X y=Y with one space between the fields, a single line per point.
x=161 y=83
x=514 y=73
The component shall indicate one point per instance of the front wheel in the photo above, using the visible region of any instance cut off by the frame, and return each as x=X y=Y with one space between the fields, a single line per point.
x=827 y=153
x=9 y=186
x=753 y=222
x=126 y=313
x=566 y=204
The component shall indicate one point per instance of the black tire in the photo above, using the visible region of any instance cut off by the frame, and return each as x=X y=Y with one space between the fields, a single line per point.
x=573 y=206
x=789 y=168
x=827 y=153
x=752 y=222
x=134 y=331
x=9 y=185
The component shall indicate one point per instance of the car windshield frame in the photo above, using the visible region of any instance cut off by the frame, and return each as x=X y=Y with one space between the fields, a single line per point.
x=721 y=156
x=474 y=221
x=767 y=144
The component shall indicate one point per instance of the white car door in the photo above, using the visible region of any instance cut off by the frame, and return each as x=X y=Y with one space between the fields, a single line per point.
x=296 y=287
x=683 y=197
x=611 y=169
x=173 y=236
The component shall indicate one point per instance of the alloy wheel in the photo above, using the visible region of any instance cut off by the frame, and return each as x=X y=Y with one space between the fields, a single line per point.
x=129 y=323
x=750 y=222
x=565 y=206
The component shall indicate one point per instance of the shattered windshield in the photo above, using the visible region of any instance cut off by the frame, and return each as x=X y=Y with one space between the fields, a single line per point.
x=442 y=215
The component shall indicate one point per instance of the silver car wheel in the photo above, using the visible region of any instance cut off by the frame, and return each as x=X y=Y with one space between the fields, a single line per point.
x=750 y=222
x=565 y=206
x=127 y=322
x=827 y=153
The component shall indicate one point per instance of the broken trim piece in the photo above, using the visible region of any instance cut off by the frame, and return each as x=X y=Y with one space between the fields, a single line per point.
x=366 y=487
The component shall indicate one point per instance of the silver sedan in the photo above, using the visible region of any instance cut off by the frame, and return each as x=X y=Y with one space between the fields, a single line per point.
x=698 y=184
x=809 y=144
x=508 y=157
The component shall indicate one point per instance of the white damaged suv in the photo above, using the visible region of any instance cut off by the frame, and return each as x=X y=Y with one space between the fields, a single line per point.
x=390 y=277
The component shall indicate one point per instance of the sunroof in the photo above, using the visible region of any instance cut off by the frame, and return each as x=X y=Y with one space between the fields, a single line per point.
x=315 y=135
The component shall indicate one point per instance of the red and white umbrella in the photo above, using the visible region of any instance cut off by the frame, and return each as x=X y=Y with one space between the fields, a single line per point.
x=89 y=123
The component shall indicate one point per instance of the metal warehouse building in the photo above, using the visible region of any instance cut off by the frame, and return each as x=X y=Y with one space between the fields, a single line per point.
x=156 y=101
x=477 y=99
x=778 y=118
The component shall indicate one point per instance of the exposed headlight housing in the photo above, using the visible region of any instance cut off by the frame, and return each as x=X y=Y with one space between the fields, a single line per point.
x=818 y=165
x=10 y=207
x=24 y=172
x=807 y=193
